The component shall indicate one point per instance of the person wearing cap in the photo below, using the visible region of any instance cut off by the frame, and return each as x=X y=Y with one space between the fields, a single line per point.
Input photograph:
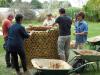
x=49 y=20
x=5 y=27
x=81 y=31
x=15 y=44
x=64 y=22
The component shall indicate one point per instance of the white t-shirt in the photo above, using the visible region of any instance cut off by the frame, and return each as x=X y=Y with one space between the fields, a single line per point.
x=48 y=22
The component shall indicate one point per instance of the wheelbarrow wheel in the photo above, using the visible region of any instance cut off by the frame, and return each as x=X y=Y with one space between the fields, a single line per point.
x=77 y=64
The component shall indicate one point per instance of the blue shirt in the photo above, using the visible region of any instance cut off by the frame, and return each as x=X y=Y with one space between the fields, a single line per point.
x=16 y=36
x=81 y=26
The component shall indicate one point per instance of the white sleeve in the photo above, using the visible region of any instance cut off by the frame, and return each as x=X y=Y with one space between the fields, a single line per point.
x=53 y=21
x=45 y=23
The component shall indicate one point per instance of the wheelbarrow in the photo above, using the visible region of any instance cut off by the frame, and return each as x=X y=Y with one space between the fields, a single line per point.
x=94 y=42
x=88 y=55
x=53 y=67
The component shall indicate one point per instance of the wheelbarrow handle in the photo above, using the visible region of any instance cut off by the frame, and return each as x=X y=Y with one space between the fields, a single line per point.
x=76 y=69
x=74 y=58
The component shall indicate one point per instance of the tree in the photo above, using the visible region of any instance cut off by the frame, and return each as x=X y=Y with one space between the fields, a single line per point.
x=92 y=10
x=8 y=2
x=5 y=3
x=23 y=8
x=54 y=5
x=2 y=3
x=18 y=1
x=72 y=11
x=36 y=4
x=64 y=4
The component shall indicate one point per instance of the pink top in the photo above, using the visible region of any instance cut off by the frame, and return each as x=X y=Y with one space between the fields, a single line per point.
x=5 y=26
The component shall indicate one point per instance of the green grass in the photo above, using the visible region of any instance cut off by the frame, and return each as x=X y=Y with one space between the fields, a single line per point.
x=1 y=45
x=32 y=22
x=93 y=31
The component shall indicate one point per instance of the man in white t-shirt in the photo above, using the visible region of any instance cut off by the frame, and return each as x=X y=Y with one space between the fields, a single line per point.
x=49 y=20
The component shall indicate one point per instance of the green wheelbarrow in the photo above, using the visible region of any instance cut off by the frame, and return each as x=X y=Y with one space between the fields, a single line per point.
x=53 y=67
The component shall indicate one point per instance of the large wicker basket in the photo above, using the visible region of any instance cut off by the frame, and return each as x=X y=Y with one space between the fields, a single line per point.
x=41 y=44
x=36 y=28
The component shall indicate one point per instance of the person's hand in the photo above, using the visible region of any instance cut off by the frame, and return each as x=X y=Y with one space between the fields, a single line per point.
x=74 y=33
x=30 y=26
x=31 y=32
x=50 y=27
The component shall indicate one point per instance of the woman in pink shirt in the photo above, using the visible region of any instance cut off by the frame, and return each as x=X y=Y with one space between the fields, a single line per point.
x=5 y=27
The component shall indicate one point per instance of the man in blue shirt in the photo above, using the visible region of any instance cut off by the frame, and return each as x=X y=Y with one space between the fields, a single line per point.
x=81 y=31
x=15 y=43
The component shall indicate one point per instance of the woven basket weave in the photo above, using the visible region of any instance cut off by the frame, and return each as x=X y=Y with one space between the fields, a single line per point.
x=41 y=44
x=43 y=28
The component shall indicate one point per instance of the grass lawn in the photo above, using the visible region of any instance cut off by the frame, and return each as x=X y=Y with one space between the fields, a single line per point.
x=93 y=31
x=1 y=43
x=31 y=22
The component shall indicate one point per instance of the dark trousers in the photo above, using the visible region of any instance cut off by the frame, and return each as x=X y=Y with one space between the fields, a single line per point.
x=22 y=56
x=9 y=60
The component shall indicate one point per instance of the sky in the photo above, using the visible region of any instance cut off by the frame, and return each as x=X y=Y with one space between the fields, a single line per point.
x=74 y=3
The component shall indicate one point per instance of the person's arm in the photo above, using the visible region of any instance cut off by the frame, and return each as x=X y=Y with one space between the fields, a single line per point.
x=56 y=22
x=5 y=28
x=23 y=33
x=82 y=33
x=45 y=23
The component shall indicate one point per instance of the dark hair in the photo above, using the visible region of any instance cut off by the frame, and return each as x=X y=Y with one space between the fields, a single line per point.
x=81 y=14
x=18 y=17
x=62 y=11
x=10 y=15
x=49 y=15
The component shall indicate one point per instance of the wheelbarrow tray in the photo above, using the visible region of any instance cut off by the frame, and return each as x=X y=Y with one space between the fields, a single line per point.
x=51 y=67
x=94 y=39
x=90 y=56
